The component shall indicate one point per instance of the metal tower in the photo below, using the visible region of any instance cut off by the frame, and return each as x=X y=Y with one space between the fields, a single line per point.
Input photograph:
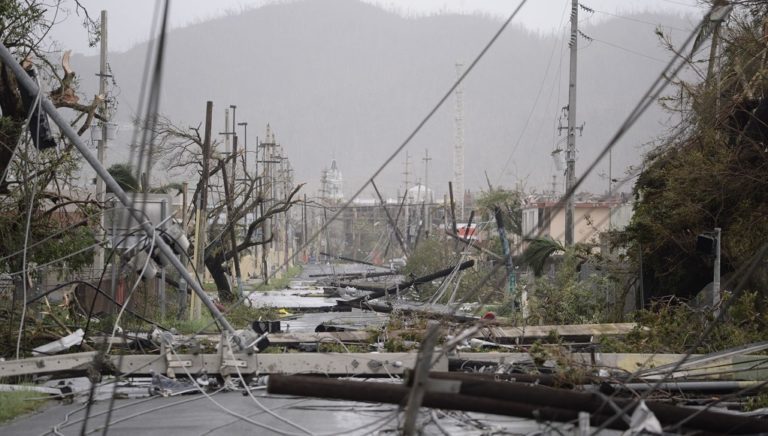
x=458 y=148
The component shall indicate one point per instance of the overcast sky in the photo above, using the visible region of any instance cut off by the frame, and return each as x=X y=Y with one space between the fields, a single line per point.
x=130 y=21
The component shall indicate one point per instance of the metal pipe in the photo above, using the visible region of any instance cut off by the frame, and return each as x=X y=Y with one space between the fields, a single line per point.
x=25 y=81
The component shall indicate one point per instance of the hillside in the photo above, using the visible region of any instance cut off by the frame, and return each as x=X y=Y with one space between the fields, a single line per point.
x=346 y=80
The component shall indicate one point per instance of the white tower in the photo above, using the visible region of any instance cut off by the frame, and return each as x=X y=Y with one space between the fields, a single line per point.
x=458 y=148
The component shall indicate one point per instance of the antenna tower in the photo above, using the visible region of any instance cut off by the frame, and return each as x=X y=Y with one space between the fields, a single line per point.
x=458 y=148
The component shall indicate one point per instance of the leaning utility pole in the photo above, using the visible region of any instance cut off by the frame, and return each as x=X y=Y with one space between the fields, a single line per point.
x=570 y=172
x=26 y=82
x=101 y=192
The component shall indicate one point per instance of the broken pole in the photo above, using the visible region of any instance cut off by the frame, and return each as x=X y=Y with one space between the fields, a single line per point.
x=28 y=84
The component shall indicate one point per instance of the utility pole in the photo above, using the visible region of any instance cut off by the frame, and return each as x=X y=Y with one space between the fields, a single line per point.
x=304 y=230
x=201 y=215
x=101 y=191
x=245 y=146
x=234 y=147
x=570 y=179
x=232 y=238
x=268 y=144
x=427 y=215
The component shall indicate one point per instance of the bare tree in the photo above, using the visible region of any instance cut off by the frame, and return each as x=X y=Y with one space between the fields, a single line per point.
x=183 y=152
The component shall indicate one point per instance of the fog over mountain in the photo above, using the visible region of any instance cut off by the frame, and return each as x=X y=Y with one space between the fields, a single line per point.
x=345 y=80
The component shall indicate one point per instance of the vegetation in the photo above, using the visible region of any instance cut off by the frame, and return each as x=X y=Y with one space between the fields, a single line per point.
x=509 y=202
x=568 y=298
x=182 y=149
x=673 y=326
x=13 y=404
x=281 y=282
x=714 y=174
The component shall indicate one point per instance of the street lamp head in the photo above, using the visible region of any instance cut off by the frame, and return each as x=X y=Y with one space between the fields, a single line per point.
x=244 y=123
x=233 y=106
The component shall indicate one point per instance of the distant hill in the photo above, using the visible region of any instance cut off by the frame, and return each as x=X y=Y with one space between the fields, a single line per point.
x=346 y=80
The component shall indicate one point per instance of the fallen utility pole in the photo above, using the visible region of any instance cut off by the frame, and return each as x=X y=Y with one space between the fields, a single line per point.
x=356 y=275
x=595 y=404
x=426 y=311
x=397 y=394
x=405 y=285
x=360 y=286
x=220 y=364
x=348 y=259
x=27 y=83
x=515 y=399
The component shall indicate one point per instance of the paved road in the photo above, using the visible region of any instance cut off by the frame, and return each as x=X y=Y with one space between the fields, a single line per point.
x=198 y=415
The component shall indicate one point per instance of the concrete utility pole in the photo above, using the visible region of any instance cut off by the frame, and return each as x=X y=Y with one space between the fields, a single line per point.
x=245 y=146
x=27 y=83
x=234 y=147
x=570 y=177
x=101 y=191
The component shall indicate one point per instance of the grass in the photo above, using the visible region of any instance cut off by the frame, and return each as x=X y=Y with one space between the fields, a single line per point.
x=13 y=404
x=281 y=282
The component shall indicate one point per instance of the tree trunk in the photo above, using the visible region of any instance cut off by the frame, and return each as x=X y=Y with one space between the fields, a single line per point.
x=215 y=266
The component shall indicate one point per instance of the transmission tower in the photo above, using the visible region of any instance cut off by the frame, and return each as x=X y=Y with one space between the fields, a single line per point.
x=458 y=148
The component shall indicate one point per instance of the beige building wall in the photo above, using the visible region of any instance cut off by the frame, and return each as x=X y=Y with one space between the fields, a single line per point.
x=589 y=221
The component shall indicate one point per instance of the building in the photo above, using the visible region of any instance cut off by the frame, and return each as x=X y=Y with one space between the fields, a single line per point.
x=332 y=184
x=542 y=217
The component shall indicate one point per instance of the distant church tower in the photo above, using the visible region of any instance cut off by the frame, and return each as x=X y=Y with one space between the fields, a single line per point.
x=334 y=183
